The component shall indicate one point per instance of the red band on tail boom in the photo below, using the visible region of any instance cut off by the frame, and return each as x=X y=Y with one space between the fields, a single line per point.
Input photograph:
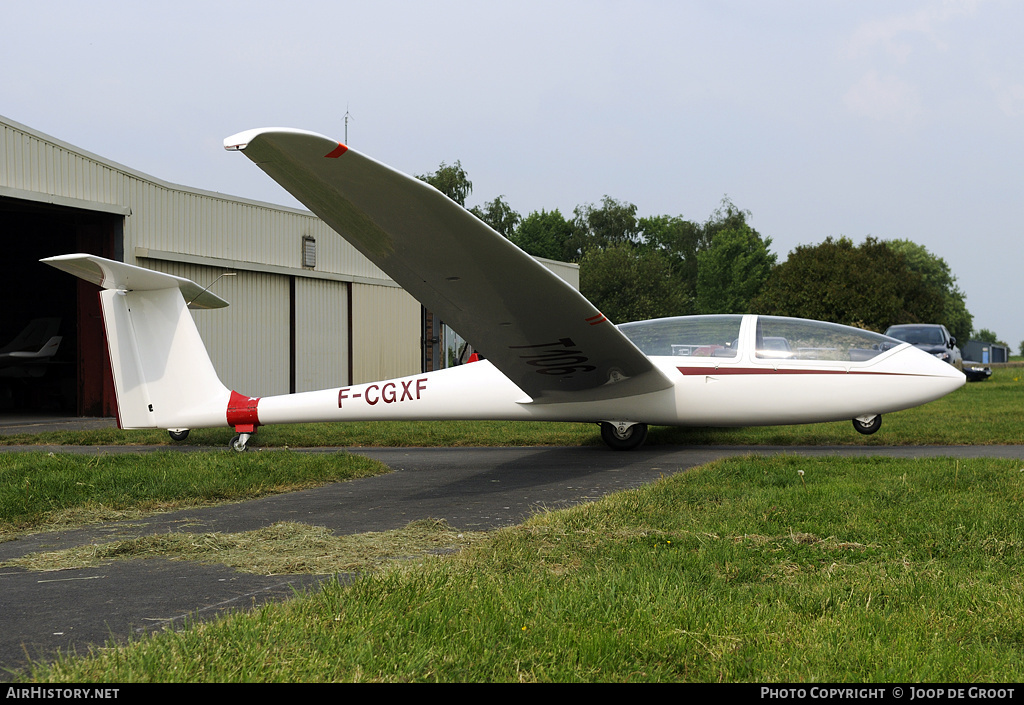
x=242 y=412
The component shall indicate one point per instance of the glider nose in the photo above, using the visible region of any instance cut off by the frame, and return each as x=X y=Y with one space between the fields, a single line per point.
x=942 y=376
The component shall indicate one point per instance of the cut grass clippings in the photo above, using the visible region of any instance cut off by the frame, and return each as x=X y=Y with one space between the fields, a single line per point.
x=281 y=548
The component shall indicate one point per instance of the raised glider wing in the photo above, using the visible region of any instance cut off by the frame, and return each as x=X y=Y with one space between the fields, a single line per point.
x=550 y=354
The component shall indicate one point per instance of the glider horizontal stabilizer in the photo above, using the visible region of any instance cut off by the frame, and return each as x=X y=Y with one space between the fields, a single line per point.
x=127 y=277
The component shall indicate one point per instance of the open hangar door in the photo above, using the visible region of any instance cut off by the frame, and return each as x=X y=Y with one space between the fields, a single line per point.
x=39 y=302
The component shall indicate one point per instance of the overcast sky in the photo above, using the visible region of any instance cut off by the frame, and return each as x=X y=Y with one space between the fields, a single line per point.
x=894 y=120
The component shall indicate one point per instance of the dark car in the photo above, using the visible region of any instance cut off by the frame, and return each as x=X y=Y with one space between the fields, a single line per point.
x=933 y=338
x=976 y=371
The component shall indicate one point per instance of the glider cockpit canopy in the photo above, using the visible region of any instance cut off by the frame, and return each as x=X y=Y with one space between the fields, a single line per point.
x=774 y=338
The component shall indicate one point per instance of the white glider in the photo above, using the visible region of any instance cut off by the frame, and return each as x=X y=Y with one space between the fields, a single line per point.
x=550 y=355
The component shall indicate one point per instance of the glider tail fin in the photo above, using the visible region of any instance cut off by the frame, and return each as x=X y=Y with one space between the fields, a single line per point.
x=163 y=375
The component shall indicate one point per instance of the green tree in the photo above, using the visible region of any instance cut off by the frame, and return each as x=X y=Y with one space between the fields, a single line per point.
x=629 y=284
x=733 y=270
x=499 y=215
x=612 y=223
x=986 y=336
x=683 y=241
x=680 y=240
x=726 y=217
x=451 y=180
x=545 y=234
x=677 y=237
x=937 y=273
x=870 y=286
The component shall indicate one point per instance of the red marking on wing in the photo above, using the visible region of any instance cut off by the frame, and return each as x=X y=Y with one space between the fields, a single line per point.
x=594 y=320
x=242 y=412
x=336 y=152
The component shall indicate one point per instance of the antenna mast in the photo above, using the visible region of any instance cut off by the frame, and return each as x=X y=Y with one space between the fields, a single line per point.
x=347 y=116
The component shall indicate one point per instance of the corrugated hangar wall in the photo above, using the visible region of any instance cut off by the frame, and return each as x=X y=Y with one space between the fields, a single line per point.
x=289 y=328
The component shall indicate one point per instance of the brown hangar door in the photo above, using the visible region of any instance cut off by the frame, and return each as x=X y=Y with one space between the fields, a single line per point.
x=40 y=302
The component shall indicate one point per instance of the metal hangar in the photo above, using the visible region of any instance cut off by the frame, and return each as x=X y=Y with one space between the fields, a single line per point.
x=307 y=310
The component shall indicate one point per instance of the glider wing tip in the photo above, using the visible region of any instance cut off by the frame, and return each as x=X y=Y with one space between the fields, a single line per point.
x=61 y=258
x=238 y=142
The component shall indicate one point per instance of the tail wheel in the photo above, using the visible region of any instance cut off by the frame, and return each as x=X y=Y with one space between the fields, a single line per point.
x=238 y=443
x=621 y=437
x=868 y=424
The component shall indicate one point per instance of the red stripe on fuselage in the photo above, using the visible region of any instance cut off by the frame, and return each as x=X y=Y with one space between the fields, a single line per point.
x=727 y=370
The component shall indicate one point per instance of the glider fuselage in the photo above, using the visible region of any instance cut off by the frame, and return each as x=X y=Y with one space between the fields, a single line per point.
x=740 y=390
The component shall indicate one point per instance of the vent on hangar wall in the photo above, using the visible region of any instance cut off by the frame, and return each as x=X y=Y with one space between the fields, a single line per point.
x=308 y=252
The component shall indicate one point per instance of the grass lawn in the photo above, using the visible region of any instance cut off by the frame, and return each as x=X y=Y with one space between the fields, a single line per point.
x=778 y=569
x=53 y=490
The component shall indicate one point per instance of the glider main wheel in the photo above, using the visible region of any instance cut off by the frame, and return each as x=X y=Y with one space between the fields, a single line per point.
x=867 y=424
x=178 y=435
x=630 y=438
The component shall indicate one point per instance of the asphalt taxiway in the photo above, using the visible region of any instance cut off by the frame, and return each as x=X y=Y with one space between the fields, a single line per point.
x=471 y=488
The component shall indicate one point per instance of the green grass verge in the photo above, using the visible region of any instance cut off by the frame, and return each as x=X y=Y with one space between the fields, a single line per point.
x=778 y=569
x=50 y=490
x=978 y=414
